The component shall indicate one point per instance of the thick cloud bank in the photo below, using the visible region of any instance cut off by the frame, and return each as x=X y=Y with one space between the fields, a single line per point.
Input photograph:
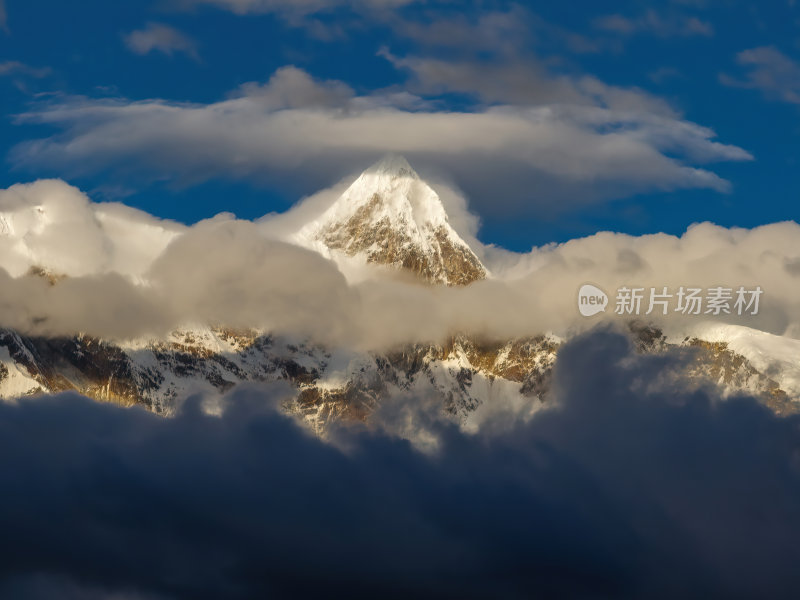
x=131 y=274
x=630 y=487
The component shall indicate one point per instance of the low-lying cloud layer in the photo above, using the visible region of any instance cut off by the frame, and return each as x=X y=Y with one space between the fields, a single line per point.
x=130 y=274
x=630 y=487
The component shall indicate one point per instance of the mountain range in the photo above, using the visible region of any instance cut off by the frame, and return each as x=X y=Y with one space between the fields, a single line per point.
x=393 y=220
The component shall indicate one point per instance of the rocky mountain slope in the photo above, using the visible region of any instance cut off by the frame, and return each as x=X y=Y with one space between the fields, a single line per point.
x=466 y=375
x=330 y=385
x=389 y=216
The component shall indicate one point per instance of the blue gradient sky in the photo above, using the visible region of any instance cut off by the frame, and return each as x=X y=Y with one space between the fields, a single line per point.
x=722 y=64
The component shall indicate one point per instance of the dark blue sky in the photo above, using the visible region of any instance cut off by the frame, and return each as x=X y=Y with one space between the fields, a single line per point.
x=651 y=69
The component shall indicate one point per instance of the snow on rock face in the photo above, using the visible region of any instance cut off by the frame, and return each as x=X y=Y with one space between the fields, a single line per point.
x=14 y=381
x=774 y=356
x=330 y=384
x=390 y=216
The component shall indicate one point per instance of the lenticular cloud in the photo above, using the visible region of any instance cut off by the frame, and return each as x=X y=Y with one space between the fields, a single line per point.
x=294 y=129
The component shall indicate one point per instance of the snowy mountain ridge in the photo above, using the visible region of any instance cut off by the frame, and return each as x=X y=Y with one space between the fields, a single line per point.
x=471 y=377
x=387 y=217
x=773 y=355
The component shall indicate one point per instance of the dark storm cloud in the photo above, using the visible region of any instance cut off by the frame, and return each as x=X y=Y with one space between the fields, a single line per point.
x=631 y=487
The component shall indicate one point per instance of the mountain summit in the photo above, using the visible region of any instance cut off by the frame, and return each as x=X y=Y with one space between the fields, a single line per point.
x=390 y=216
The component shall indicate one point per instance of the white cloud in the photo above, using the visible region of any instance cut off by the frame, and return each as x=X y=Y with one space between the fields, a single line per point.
x=656 y=24
x=291 y=87
x=132 y=274
x=768 y=70
x=49 y=223
x=163 y=38
x=522 y=82
x=294 y=128
x=497 y=32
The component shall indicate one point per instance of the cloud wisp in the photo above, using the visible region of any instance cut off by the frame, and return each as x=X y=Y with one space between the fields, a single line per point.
x=769 y=70
x=162 y=38
x=654 y=23
x=13 y=67
x=290 y=7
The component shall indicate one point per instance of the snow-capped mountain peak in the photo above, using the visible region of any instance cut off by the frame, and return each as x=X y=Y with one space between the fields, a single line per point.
x=393 y=165
x=390 y=216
